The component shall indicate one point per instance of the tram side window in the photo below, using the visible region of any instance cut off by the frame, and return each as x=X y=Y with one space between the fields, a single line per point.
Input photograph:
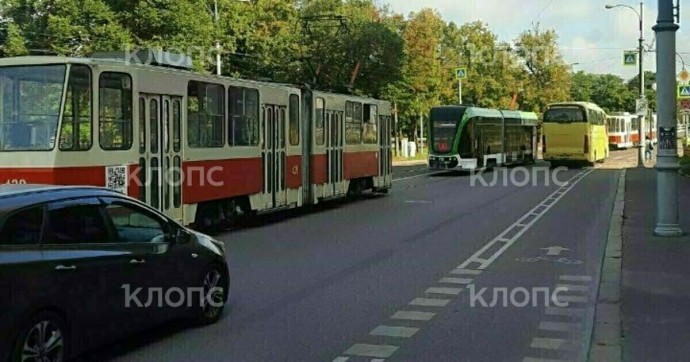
x=205 y=114
x=319 y=119
x=115 y=111
x=243 y=126
x=75 y=132
x=370 y=127
x=353 y=123
x=294 y=120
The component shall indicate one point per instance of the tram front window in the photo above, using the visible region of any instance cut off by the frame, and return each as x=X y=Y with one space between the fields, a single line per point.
x=30 y=98
x=444 y=135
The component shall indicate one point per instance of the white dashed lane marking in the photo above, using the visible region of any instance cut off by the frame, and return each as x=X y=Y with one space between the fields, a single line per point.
x=449 y=291
x=508 y=237
x=371 y=350
x=576 y=278
x=430 y=302
x=341 y=359
x=455 y=281
x=571 y=299
x=530 y=359
x=466 y=272
x=573 y=325
x=388 y=331
x=574 y=288
x=548 y=343
x=413 y=316
x=565 y=311
x=559 y=326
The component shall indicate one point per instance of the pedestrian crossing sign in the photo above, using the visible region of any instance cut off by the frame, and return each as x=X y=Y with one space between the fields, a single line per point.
x=683 y=91
x=629 y=58
x=461 y=73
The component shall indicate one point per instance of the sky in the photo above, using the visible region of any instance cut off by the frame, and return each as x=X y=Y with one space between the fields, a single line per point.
x=589 y=35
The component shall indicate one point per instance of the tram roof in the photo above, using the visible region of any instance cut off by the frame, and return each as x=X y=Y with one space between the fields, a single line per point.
x=56 y=59
x=114 y=61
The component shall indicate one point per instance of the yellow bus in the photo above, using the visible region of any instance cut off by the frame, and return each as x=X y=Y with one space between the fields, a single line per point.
x=574 y=132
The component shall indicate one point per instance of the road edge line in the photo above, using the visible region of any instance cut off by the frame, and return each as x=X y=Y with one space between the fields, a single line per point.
x=605 y=343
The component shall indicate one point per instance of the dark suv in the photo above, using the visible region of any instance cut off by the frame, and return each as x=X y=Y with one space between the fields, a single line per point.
x=81 y=266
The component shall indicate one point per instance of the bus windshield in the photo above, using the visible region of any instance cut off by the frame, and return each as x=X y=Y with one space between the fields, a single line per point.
x=564 y=115
x=30 y=98
x=444 y=135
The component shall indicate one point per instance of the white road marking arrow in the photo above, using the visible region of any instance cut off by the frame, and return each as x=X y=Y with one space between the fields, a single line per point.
x=554 y=250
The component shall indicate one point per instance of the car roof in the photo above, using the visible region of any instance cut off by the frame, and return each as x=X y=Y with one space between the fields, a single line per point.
x=13 y=197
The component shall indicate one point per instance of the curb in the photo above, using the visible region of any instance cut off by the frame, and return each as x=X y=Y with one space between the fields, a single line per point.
x=410 y=163
x=606 y=338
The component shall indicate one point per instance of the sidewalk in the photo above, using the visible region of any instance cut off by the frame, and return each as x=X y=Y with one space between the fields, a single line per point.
x=655 y=289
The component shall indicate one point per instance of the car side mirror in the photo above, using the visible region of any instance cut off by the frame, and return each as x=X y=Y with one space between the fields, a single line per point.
x=179 y=236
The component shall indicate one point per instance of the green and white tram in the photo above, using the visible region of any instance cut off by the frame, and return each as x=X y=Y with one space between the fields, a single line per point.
x=472 y=138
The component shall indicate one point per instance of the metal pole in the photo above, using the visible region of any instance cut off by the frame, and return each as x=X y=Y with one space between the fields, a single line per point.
x=215 y=14
x=395 y=137
x=667 y=155
x=460 y=90
x=640 y=163
x=421 y=133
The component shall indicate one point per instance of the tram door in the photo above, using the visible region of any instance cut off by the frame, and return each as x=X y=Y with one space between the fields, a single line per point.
x=160 y=159
x=384 y=146
x=274 y=156
x=334 y=150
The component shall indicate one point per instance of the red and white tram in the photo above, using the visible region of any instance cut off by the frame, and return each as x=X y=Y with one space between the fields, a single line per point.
x=620 y=128
x=200 y=148
x=623 y=130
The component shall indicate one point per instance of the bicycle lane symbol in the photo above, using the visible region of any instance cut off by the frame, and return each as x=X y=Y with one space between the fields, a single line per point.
x=561 y=260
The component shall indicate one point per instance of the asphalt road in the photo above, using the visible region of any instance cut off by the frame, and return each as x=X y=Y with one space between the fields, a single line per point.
x=379 y=278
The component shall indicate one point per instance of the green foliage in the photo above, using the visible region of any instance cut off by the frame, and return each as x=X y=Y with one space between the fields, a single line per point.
x=13 y=43
x=547 y=78
x=611 y=92
x=332 y=44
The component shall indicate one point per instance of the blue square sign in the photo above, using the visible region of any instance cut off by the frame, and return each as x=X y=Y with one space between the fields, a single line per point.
x=461 y=73
x=683 y=91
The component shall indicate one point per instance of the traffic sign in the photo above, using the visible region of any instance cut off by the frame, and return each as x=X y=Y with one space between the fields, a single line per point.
x=685 y=104
x=683 y=91
x=641 y=107
x=684 y=76
x=629 y=58
x=461 y=73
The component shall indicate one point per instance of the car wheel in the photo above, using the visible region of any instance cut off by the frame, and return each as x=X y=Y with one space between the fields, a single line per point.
x=213 y=299
x=43 y=339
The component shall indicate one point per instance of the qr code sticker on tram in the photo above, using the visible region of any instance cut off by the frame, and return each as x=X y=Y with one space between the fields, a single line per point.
x=116 y=178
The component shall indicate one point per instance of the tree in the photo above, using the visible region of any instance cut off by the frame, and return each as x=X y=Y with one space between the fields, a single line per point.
x=13 y=43
x=421 y=70
x=547 y=78
x=650 y=93
x=606 y=90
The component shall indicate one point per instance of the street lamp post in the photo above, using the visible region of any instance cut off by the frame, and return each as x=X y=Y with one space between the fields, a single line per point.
x=216 y=19
x=667 y=221
x=640 y=15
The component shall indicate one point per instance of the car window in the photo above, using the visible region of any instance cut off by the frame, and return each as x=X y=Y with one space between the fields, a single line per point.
x=134 y=225
x=79 y=224
x=23 y=228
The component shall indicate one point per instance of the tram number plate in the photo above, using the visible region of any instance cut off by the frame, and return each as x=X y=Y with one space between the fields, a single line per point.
x=16 y=181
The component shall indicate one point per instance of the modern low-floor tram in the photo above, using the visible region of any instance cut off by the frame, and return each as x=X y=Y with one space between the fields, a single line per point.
x=470 y=138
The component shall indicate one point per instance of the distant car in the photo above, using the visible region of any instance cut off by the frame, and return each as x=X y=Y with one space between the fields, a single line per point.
x=81 y=266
